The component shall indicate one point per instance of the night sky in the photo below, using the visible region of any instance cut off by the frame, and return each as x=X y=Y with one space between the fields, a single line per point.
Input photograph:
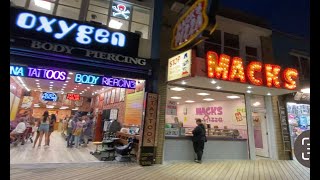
x=290 y=16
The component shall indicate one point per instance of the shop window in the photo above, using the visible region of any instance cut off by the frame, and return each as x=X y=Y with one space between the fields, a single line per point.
x=301 y=63
x=72 y=3
x=98 y=9
x=97 y=17
x=140 y=29
x=42 y=6
x=231 y=52
x=101 y=3
x=251 y=54
x=20 y=3
x=68 y=12
x=215 y=37
x=116 y=23
x=141 y=15
x=208 y=46
x=231 y=40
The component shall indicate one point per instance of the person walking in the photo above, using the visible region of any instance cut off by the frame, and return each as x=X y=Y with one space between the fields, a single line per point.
x=37 y=124
x=44 y=128
x=199 y=138
x=53 y=119
x=70 y=127
x=77 y=133
x=87 y=132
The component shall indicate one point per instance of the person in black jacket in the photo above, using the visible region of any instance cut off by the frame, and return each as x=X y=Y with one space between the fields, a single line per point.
x=199 y=137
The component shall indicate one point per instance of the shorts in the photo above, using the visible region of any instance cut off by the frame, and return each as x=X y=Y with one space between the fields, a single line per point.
x=44 y=128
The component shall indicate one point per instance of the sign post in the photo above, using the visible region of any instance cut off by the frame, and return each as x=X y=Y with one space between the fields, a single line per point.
x=147 y=148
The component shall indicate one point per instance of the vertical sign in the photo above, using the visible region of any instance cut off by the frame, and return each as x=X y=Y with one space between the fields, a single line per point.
x=147 y=154
x=150 y=120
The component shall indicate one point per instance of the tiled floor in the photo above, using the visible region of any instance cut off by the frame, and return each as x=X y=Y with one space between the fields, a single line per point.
x=58 y=162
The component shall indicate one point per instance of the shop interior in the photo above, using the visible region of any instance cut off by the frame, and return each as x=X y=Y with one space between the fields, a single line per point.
x=117 y=112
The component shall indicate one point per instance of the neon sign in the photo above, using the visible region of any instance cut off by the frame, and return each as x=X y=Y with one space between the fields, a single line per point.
x=49 y=96
x=73 y=97
x=257 y=74
x=104 y=81
x=121 y=10
x=194 y=25
x=41 y=73
x=61 y=29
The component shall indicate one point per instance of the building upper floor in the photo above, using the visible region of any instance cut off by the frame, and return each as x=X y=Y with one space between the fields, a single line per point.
x=131 y=15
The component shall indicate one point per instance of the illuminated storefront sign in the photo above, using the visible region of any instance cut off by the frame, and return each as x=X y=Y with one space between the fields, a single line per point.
x=179 y=66
x=64 y=31
x=194 y=25
x=105 y=81
x=73 y=97
x=121 y=10
x=224 y=68
x=41 y=73
x=49 y=96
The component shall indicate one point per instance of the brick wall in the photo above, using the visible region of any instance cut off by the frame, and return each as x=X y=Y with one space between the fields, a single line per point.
x=282 y=155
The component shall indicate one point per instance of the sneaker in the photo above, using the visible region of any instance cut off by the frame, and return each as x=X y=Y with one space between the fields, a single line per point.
x=197 y=161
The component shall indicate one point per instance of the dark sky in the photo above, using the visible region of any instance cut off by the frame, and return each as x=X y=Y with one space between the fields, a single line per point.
x=290 y=16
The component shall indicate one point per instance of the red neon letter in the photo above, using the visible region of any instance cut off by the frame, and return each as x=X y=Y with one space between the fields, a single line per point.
x=251 y=69
x=272 y=75
x=289 y=76
x=217 y=68
x=237 y=70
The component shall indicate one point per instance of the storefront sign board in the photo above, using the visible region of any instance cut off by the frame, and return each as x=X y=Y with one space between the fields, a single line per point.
x=150 y=120
x=104 y=81
x=172 y=108
x=40 y=26
x=179 y=66
x=49 y=96
x=40 y=73
x=73 y=97
x=194 y=25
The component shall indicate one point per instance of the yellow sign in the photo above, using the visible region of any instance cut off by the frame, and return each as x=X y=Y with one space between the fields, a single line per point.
x=179 y=66
x=191 y=25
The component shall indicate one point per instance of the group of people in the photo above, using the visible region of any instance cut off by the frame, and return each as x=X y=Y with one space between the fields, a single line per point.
x=79 y=127
x=44 y=127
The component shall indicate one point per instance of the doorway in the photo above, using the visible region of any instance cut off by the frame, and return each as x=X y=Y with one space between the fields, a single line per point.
x=260 y=127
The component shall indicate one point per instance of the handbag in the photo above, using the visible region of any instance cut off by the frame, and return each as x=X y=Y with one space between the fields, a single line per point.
x=77 y=132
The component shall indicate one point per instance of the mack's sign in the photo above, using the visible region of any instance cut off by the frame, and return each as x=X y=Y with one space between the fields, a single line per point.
x=195 y=25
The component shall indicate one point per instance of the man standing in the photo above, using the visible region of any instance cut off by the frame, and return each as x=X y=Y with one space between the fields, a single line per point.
x=199 y=137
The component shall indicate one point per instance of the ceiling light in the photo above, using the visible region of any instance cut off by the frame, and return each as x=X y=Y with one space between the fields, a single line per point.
x=74 y=88
x=256 y=103
x=175 y=97
x=189 y=101
x=79 y=83
x=49 y=106
x=85 y=89
x=183 y=82
x=88 y=87
x=37 y=83
x=70 y=73
x=249 y=91
x=37 y=79
x=203 y=94
x=19 y=78
x=269 y=94
x=62 y=92
x=115 y=24
x=208 y=99
x=177 y=89
x=233 y=97
x=43 y=4
x=68 y=77
x=51 y=85
x=92 y=93
x=67 y=81
x=92 y=85
x=213 y=82
x=178 y=103
x=51 y=82
x=80 y=93
x=305 y=90
x=64 y=84
x=249 y=87
x=218 y=87
x=75 y=109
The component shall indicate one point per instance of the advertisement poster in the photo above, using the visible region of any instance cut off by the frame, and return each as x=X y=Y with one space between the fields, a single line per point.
x=172 y=108
x=122 y=94
x=113 y=95
x=105 y=98
x=27 y=102
x=239 y=116
x=117 y=98
x=179 y=66
x=109 y=97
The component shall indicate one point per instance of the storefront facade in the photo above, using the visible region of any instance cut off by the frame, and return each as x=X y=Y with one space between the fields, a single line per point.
x=195 y=88
x=114 y=64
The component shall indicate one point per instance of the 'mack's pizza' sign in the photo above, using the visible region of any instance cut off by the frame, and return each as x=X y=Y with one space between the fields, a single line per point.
x=194 y=25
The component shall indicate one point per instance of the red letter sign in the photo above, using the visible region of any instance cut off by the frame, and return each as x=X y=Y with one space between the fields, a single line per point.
x=252 y=68
x=272 y=75
x=237 y=70
x=217 y=68
x=289 y=75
